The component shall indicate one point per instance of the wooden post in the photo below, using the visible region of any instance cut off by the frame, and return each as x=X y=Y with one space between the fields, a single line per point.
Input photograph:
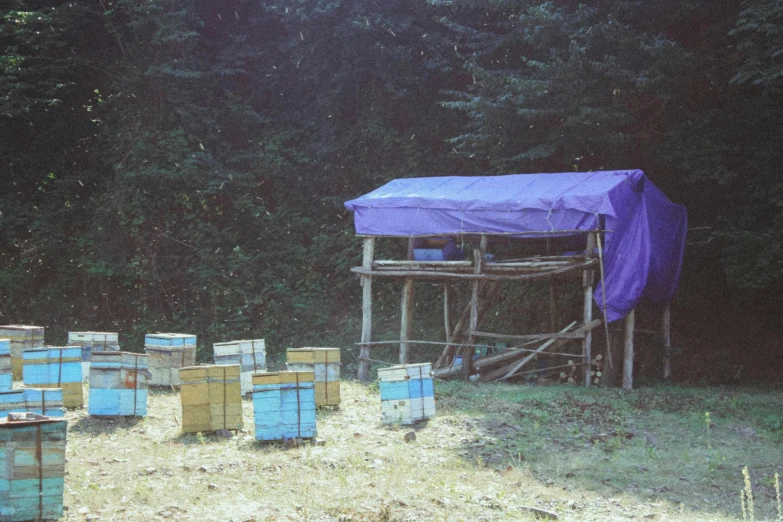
x=368 y=249
x=628 y=355
x=447 y=298
x=587 y=287
x=553 y=305
x=406 y=312
x=667 y=341
x=478 y=264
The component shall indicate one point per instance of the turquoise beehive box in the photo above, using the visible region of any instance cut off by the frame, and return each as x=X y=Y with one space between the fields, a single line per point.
x=32 y=467
x=42 y=401
x=118 y=384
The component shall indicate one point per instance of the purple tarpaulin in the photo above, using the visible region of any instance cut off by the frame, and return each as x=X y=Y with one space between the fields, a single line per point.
x=644 y=246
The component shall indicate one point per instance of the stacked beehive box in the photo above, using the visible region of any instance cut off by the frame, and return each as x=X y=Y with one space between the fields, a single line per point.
x=118 y=384
x=168 y=353
x=325 y=364
x=249 y=355
x=93 y=342
x=34 y=400
x=22 y=338
x=56 y=367
x=407 y=393
x=211 y=398
x=284 y=405
x=32 y=467
x=6 y=380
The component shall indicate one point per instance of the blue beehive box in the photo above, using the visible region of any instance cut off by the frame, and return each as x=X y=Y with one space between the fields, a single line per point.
x=6 y=379
x=35 y=400
x=284 y=405
x=118 y=384
x=93 y=342
x=56 y=367
x=436 y=249
x=32 y=467
x=407 y=393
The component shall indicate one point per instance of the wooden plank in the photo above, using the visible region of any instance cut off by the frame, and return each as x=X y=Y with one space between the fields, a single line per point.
x=579 y=333
x=436 y=274
x=666 y=326
x=514 y=367
x=587 y=286
x=628 y=351
x=447 y=298
x=406 y=318
x=368 y=249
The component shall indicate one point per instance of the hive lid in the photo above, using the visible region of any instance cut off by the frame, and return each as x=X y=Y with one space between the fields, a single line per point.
x=27 y=419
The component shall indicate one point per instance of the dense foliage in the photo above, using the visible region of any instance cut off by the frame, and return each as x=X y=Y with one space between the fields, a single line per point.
x=181 y=165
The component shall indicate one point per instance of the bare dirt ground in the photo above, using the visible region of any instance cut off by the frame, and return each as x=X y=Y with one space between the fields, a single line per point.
x=359 y=470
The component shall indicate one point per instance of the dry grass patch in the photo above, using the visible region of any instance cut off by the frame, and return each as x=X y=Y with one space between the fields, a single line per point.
x=463 y=465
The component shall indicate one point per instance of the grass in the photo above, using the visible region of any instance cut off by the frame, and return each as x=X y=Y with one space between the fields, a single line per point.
x=491 y=453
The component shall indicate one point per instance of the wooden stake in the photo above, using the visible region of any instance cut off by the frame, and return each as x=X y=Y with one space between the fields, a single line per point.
x=587 y=286
x=478 y=262
x=406 y=312
x=628 y=355
x=368 y=249
x=447 y=298
x=667 y=341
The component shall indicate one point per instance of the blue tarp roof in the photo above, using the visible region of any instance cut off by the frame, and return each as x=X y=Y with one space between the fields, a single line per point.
x=644 y=246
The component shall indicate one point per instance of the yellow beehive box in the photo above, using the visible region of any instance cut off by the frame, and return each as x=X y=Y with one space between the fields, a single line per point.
x=211 y=398
x=22 y=337
x=313 y=355
x=325 y=365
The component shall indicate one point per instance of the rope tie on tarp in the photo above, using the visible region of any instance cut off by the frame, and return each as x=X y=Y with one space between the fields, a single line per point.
x=39 y=458
x=135 y=381
x=253 y=350
x=326 y=379
x=225 y=384
x=298 y=408
x=421 y=387
x=603 y=295
x=60 y=368
x=551 y=226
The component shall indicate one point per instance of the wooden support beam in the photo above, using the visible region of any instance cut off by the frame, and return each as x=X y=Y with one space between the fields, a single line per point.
x=368 y=249
x=667 y=341
x=628 y=351
x=478 y=263
x=587 y=286
x=447 y=299
x=506 y=274
x=579 y=333
x=406 y=313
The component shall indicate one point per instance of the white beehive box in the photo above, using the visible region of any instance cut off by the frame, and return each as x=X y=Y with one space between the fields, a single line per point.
x=250 y=355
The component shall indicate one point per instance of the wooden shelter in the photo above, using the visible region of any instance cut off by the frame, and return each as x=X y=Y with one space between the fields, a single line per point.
x=618 y=216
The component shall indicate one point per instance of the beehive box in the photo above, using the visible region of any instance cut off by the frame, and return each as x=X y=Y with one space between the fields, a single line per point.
x=168 y=353
x=407 y=393
x=250 y=355
x=93 y=342
x=6 y=381
x=22 y=338
x=32 y=467
x=56 y=367
x=284 y=405
x=118 y=384
x=34 y=400
x=325 y=364
x=211 y=398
